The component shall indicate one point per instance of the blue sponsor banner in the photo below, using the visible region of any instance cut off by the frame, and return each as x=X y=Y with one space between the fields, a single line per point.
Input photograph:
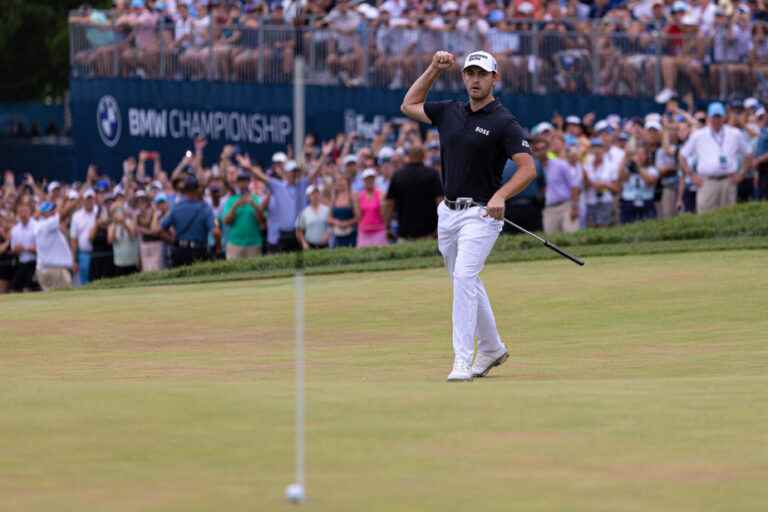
x=115 y=118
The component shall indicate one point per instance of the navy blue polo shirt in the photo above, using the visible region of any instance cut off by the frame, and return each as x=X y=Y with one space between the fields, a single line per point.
x=474 y=146
x=192 y=221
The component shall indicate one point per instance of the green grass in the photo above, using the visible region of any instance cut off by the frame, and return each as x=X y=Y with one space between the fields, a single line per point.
x=637 y=383
x=742 y=227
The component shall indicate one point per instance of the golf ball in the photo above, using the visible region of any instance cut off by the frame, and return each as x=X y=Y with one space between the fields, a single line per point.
x=295 y=493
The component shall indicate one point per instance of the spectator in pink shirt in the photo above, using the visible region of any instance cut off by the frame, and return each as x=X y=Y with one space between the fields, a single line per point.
x=371 y=229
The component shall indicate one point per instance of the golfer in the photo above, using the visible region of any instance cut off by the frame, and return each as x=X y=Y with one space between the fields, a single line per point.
x=476 y=139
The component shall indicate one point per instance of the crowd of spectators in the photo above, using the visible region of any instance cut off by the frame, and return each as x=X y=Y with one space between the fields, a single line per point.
x=704 y=48
x=350 y=191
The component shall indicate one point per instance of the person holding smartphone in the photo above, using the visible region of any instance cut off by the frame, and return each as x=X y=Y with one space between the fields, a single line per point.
x=244 y=214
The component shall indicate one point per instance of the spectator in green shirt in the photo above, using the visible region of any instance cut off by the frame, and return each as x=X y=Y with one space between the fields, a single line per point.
x=244 y=215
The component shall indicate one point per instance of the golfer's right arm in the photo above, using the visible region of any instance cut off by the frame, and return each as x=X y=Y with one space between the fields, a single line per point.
x=413 y=104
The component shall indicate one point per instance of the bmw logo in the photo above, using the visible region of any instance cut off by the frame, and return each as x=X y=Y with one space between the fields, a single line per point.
x=108 y=120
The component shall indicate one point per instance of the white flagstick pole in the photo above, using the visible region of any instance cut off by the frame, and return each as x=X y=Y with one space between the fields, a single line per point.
x=296 y=492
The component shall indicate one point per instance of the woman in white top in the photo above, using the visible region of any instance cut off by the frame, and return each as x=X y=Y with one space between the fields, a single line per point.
x=638 y=183
x=312 y=228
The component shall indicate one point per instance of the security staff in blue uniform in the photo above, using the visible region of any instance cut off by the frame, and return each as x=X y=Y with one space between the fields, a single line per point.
x=192 y=221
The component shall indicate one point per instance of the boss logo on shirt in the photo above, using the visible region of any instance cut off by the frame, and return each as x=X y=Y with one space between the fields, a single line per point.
x=483 y=131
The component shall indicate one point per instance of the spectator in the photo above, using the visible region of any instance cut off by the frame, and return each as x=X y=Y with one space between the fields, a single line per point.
x=718 y=150
x=561 y=196
x=372 y=231
x=414 y=193
x=54 y=256
x=346 y=56
x=191 y=221
x=102 y=255
x=146 y=222
x=286 y=201
x=601 y=182
x=24 y=246
x=6 y=257
x=526 y=207
x=637 y=178
x=125 y=242
x=342 y=218
x=80 y=229
x=312 y=229
x=244 y=215
x=665 y=160
x=761 y=154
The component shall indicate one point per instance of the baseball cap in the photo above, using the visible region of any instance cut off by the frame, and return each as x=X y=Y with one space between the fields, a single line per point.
x=161 y=198
x=450 y=6
x=573 y=120
x=349 y=159
x=679 y=6
x=624 y=136
x=243 y=175
x=653 y=125
x=190 y=183
x=483 y=60
x=72 y=194
x=386 y=153
x=137 y=4
x=736 y=103
x=760 y=112
x=542 y=127
x=751 y=103
x=311 y=189
x=602 y=126
x=89 y=193
x=47 y=206
x=53 y=186
x=716 y=109
x=279 y=157
x=596 y=142
x=525 y=8
x=291 y=166
x=102 y=186
x=140 y=194
x=369 y=173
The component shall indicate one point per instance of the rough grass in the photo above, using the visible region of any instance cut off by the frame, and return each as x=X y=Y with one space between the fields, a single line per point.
x=636 y=383
x=741 y=227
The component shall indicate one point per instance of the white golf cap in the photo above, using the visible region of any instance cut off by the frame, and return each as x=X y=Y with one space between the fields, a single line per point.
x=140 y=193
x=53 y=186
x=279 y=158
x=573 y=120
x=653 y=116
x=483 y=60
x=89 y=193
x=525 y=8
x=679 y=6
x=450 y=6
x=601 y=126
x=349 y=159
x=386 y=153
x=542 y=127
x=72 y=194
x=290 y=166
x=653 y=125
x=311 y=189
x=760 y=112
x=369 y=173
x=751 y=103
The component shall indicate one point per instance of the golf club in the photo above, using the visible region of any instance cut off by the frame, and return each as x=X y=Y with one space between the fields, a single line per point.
x=547 y=243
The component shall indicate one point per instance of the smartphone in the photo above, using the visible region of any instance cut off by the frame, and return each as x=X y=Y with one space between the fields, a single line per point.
x=188 y=154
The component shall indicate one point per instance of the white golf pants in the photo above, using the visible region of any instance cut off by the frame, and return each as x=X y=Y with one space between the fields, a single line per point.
x=465 y=239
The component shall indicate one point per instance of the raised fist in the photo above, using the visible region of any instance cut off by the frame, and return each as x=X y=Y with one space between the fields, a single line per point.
x=443 y=60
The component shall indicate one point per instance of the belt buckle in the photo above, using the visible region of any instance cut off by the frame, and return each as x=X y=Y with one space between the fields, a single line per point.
x=462 y=203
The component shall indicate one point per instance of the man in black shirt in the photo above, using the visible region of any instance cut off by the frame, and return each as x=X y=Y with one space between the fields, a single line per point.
x=413 y=193
x=476 y=139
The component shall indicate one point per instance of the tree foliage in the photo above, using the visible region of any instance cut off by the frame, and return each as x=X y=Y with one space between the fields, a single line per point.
x=34 y=48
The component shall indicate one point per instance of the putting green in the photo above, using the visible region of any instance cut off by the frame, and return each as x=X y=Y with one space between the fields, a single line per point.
x=634 y=384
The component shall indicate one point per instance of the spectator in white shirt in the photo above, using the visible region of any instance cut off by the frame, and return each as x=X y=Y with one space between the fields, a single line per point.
x=723 y=155
x=54 y=255
x=80 y=228
x=312 y=228
x=601 y=182
x=23 y=246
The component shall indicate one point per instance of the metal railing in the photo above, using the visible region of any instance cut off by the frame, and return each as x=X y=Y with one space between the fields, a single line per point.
x=534 y=59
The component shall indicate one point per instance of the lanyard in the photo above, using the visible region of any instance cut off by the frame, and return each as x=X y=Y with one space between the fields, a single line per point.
x=719 y=140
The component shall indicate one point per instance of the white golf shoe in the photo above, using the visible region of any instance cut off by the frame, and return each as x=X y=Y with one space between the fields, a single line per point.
x=484 y=362
x=462 y=372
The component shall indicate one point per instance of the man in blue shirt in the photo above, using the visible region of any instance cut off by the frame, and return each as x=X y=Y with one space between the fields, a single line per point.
x=526 y=208
x=286 y=201
x=192 y=221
